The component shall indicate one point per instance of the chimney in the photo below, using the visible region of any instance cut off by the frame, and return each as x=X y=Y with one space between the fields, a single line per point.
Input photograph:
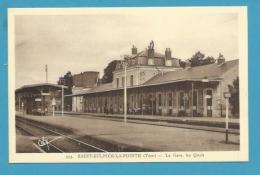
x=151 y=50
x=168 y=53
x=134 y=50
x=221 y=59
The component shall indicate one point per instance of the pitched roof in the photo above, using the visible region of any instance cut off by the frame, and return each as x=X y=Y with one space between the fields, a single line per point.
x=144 y=53
x=32 y=86
x=211 y=71
x=101 y=88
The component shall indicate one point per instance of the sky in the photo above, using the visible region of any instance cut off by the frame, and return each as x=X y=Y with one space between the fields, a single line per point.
x=88 y=42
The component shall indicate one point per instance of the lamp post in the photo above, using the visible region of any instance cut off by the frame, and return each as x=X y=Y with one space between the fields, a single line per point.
x=221 y=92
x=53 y=106
x=62 y=100
x=227 y=95
x=192 y=87
x=124 y=64
x=19 y=103
x=22 y=108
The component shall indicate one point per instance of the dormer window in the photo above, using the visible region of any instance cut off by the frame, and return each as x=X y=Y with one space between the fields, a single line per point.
x=131 y=80
x=123 y=81
x=117 y=82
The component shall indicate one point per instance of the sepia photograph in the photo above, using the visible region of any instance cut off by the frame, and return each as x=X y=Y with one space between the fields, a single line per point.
x=161 y=84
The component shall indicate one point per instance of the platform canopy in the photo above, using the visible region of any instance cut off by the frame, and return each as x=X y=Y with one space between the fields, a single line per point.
x=39 y=87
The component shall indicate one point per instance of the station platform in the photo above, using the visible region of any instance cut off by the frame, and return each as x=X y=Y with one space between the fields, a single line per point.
x=142 y=135
x=195 y=121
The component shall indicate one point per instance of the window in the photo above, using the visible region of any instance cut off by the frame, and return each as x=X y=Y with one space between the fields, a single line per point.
x=123 y=81
x=117 y=82
x=141 y=101
x=195 y=97
x=170 y=99
x=131 y=80
x=182 y=100
x=209 y=97
x=160 y=100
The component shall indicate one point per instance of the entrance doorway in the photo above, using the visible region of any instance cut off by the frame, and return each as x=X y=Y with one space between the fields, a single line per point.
x=209 y=102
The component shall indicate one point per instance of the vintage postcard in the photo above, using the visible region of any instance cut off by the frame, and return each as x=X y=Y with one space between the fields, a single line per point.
x=150 y=84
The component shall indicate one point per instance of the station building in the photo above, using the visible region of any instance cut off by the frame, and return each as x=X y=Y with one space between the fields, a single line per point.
x=157 y=85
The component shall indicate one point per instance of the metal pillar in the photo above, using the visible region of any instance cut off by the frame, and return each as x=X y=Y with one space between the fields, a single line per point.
x=192 y=86
x=22 y=108
x=125 y=95
x=226 y=120
x=62 y=100
x=53 y=110
x=221 y=97
x=152 y=103
x=19 y=103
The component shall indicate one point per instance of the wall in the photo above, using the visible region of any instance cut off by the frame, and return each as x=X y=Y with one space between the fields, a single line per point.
x=141 y=74
x=86 y=79
x=228 y=77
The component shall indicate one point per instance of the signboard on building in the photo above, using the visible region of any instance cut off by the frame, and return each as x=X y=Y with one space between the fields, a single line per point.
x=207 y=96
x=53 y=102
x=38 y=99
x=227 y=95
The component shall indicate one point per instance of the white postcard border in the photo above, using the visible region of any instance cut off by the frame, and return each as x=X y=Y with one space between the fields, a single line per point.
x=209 y=156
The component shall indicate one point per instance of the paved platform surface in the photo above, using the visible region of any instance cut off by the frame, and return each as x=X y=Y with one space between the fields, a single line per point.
x=201 y=121
x=157 y=138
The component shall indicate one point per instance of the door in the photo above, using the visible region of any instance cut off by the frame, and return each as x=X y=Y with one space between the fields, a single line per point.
x=209 y=102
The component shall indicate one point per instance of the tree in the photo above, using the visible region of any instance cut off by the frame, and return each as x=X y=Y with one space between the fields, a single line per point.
x=182 y=63
x=197 y=59
x=234 y=99
x=108 y=71
x=209 y=60
x=68 y=79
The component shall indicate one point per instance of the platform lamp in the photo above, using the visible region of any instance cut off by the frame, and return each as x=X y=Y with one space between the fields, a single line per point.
x=53 y=102
x=62 y=100
x=227 y=95
x=125 y=64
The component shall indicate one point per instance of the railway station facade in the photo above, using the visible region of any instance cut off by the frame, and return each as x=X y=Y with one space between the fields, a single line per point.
x=157 y=85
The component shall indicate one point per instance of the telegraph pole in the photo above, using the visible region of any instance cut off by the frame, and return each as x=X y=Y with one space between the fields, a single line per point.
x=46 y=72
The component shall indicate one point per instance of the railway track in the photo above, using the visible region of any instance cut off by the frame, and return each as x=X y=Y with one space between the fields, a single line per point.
x=52 y=141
